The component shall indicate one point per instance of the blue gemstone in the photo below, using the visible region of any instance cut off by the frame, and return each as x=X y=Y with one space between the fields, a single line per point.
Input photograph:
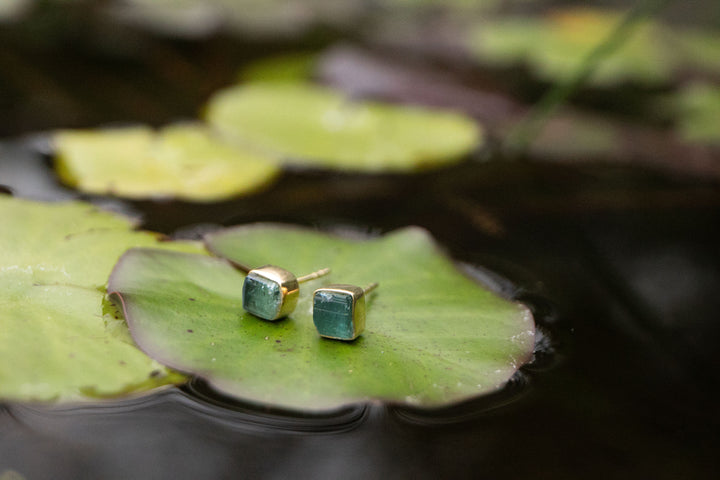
x=333 y=314
x=262 y=297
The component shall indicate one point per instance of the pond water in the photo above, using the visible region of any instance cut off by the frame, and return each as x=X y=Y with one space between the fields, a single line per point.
x=619 y=265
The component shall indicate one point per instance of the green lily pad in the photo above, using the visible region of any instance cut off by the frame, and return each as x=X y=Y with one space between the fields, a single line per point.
x=432 y=337
x=315 y=126
x=698 y=108
x=553 y=46
x=60 y=338
x=182 y=161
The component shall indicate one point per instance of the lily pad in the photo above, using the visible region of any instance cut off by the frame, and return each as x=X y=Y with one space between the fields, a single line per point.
x=432 y=337
x=60 y=338
x=698 y=107
x=316 y=126
x=553 y=46
x=289 y=67
x=183 y=161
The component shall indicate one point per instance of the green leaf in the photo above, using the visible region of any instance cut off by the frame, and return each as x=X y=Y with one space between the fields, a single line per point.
x=315 y=126
x=432 y=337
x=698 y=109
x=183 y=161
x=290 y=67
x=60 y=338
x=553 y=46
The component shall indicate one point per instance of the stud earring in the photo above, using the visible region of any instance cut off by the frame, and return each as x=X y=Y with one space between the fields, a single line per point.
x=339 y=310
x=271 y=292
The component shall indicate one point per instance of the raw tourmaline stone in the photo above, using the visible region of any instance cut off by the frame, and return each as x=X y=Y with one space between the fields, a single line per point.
x=262 y=296
x=270 y=292
x=339 y=312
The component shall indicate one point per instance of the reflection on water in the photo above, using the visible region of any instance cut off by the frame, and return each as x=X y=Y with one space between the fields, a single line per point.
x=620 y=383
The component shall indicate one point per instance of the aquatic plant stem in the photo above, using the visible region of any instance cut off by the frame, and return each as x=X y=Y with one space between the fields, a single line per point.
x=522 y=135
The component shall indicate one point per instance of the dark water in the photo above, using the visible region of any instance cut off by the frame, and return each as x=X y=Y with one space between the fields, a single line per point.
x=620 y=266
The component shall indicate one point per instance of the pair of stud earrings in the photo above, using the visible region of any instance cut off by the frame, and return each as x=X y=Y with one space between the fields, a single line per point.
x=271 y=293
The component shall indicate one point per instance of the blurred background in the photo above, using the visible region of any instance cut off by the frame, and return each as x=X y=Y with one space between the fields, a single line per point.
x=594 y=197
x=649 y=93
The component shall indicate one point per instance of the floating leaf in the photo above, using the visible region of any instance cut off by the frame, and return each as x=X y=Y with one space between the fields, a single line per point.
x=60 y=338
x=290 y=67
x=698 y=108
x=318 y=127
x=432 y=336
x=553 y=46
x=183 y=161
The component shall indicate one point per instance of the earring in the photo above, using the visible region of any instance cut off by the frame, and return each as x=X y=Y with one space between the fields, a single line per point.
x=271 y=292
x=339 y=310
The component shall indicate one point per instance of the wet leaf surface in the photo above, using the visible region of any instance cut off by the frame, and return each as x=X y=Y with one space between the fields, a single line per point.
x=60 y=339
x=182 y=161
x=433 y=336
x=317 y=127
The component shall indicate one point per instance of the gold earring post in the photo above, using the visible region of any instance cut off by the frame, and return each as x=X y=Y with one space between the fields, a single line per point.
x=312 y=276
x=339 y=310
x=370 y=287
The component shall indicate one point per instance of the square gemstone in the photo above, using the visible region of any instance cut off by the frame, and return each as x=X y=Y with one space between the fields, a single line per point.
x=261 y=296
x=334 y=314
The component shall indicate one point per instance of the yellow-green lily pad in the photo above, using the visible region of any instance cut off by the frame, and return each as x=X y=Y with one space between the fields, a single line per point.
x=315 y=126
x=181 y=161
x=60 y=339
x=554 y=45
x=433 y=336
